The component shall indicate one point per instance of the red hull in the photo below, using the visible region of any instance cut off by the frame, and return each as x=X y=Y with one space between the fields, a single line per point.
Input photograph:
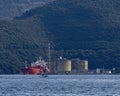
x=32 y=70
x=37 y=67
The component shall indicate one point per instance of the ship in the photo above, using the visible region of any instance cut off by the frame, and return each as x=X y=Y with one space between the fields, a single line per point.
x=37 y=67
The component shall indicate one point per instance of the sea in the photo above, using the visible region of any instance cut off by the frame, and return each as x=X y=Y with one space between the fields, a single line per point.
x=60 y=85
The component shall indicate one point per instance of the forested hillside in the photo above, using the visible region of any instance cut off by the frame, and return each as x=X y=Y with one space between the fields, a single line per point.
x=85 y=29
x=12 y=8
x=20 y=43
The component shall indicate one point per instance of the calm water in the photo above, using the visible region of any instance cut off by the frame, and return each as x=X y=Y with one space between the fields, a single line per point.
x=60 y=85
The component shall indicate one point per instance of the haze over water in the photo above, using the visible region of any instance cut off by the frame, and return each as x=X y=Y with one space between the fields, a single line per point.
x=60 y=85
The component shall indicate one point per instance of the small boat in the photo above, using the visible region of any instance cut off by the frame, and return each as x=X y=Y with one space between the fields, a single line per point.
x=38 y=67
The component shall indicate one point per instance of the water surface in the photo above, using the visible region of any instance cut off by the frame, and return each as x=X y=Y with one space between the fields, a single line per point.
x=60 y=85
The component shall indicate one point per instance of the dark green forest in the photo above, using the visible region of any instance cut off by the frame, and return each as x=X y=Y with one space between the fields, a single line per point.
x=85 y=29
x=11 y=8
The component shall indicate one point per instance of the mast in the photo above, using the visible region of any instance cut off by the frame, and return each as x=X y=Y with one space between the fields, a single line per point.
x=49 y=55
x=26 y=64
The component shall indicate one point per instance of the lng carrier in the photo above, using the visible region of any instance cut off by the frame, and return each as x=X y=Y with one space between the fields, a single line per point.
x=38 y=67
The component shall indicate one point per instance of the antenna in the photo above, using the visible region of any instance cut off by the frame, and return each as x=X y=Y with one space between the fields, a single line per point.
x=49 y=55
x=103 y=69
x=26 y=64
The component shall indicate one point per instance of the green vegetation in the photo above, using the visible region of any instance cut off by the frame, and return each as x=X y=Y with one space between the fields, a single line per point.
x=20 y=41
x=85 y=29
x=11 y=8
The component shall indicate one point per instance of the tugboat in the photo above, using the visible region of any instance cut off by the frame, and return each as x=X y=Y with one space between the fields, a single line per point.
x=38 y=67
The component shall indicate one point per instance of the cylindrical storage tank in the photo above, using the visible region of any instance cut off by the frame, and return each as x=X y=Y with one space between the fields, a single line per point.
x=60 y=65
x=98 y=71
x=86 y=65
x=68 y=66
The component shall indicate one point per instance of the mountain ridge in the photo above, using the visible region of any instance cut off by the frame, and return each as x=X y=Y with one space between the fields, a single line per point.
x=13 y=8
x=76 y=29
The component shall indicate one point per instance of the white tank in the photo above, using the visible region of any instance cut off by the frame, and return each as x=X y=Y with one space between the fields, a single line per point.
x=67 y=65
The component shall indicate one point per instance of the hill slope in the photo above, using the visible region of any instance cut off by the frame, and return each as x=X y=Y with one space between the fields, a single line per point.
x=12 y=8
x=88 y=29
x=85 y=29
x=20 y=42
